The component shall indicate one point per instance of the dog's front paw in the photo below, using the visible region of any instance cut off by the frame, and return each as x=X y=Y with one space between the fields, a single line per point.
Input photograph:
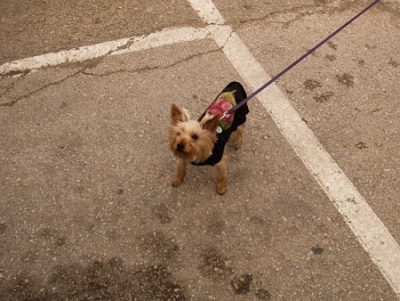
x=222 y=189
x=176 y=181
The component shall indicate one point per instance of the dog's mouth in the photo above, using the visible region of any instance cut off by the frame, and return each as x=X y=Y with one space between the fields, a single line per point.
x=181 y=152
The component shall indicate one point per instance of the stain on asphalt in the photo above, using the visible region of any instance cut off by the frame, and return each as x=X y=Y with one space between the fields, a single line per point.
x=3 y=228
x=161 y=212
x=215 y=265
x=346 y=79
x=109 y=280
x=30 y=256
x=311 y=84
x=317 y=250
x=393 y=63
x=262 y=294
x=324 y=97
x=52 y=236
x=241 y=285
x=330 y=57
x=332 y=45
x=361 y=145
x=113 y=235
x=215 y=226
x=158 y=246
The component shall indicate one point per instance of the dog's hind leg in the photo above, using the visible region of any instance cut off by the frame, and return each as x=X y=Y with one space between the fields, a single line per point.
x=222 y=173
x=237 y=137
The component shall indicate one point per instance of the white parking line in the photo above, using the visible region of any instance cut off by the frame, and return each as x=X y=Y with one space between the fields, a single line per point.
x=53 y=59
x=369 y=230
x=164 y=37
x=367 y=227
x=207 y=11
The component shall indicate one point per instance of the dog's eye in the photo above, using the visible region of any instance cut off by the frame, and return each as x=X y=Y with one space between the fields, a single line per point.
x=178 y=134
x=195 y=137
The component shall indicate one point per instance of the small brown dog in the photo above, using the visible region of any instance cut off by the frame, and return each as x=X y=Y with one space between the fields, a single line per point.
x=202 y=142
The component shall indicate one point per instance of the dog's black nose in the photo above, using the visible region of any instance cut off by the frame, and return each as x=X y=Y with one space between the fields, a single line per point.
x=180 y=146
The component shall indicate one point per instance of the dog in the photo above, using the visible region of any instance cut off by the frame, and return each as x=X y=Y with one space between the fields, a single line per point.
x=202 y=142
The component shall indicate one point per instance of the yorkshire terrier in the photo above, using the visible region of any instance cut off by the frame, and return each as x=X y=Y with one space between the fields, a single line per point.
x=202 y=142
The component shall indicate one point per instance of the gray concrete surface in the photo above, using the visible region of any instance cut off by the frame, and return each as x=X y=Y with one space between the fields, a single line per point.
x=87 y=211
x=348 y=95
x=35 y=27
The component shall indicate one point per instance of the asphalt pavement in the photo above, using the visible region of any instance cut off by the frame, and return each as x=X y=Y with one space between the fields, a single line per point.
x=87 y=210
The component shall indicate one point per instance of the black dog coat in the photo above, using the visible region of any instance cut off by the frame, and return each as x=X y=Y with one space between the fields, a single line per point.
x=228 y=98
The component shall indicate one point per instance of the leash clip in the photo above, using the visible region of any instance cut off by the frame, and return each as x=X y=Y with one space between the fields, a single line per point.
x=226 y=114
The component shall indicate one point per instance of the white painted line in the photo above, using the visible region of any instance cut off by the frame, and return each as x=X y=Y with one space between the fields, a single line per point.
x=165 y=37
x=367 y=227
x=360 y=218
x=56 y=58
x=207 y=11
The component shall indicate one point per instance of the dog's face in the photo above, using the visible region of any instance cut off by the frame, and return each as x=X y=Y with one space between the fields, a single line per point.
x=190 y=140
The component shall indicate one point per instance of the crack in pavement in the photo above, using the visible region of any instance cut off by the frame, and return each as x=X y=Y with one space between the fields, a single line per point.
x=30 y=93
x=84 y=71
x=150 y=68
x=11 y=86
x=299 y=12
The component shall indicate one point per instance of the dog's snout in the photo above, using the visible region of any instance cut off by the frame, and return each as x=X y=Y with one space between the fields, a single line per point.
x=180 y=146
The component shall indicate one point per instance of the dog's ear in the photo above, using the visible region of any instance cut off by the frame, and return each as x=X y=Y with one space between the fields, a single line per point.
x=178 y=115
x=210 y=122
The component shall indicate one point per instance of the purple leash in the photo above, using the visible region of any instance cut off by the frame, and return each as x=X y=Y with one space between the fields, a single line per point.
x=276 y=77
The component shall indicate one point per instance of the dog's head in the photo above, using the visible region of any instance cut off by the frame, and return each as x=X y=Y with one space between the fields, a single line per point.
x=191 y=140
